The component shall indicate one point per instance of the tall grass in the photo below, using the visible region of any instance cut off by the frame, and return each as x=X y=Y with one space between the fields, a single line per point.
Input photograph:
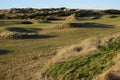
x=84 y=67
x=66 y=23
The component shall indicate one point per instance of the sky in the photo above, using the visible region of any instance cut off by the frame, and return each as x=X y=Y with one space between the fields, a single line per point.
x=82 y=4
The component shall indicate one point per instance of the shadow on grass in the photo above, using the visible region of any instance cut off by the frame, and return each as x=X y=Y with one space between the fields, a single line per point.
x=26 y=33
x=90 y=25
x=37 y=36
x=4 y=52
x=114 y=16
x=26 y=30
x=98 y=16
x=111 y=76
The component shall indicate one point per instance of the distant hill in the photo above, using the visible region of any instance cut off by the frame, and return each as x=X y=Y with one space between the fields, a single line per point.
x=33 y=13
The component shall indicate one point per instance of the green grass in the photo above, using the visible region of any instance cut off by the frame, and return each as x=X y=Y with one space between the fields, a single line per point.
x=114 y=46
x=18 y=61
x=84 y=67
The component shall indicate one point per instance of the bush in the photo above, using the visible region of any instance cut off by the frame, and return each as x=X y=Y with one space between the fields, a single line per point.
x=112 y=11
x=83 y=13
x=26 y=22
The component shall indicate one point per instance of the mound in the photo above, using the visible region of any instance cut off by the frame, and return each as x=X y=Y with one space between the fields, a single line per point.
x=66 y=24
x=62 y=26
x=84 y=61
x=91 y=45
x=17 y=35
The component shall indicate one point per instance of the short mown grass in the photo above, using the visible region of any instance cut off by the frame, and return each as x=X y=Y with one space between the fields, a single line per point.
x=84 y=67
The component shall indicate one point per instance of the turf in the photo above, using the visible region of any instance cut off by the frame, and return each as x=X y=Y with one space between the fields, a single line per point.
x=24 y=58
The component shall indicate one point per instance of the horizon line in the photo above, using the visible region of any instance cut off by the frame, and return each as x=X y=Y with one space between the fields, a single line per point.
x=61 y=7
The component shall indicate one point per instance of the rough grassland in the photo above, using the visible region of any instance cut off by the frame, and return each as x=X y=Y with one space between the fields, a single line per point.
x=84 y=67
x=23 y=59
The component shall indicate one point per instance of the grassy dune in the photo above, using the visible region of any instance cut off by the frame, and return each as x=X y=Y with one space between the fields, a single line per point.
x=85 y=67
x=24 y=59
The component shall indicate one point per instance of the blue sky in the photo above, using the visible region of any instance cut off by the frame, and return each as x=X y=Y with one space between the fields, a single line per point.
x=84 y=4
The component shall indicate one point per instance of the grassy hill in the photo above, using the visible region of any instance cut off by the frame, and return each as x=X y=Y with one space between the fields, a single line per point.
x=29 y=58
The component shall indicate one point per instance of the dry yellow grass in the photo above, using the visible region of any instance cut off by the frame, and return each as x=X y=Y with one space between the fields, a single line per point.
x=17 y=35
x=87 y=46
x=111 y=38
x=22 y=51
x=62 y=26
x=66 y=23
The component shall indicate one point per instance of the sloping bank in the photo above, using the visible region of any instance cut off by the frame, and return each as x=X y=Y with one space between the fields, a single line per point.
x=84 y=61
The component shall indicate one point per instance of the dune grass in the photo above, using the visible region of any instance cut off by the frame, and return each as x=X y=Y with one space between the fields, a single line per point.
x=24 y=59
x=85 y=67
x=82 y=68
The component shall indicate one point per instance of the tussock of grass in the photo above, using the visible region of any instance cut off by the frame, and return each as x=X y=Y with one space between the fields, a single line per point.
x=85 y=47
x=62 y=26
x=84 y=67
x=91 y=45
x=66 y=24
x=17 y=35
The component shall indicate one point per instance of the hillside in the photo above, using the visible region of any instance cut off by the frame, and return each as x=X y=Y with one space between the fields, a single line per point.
x=53 y=13
x=59 y=44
